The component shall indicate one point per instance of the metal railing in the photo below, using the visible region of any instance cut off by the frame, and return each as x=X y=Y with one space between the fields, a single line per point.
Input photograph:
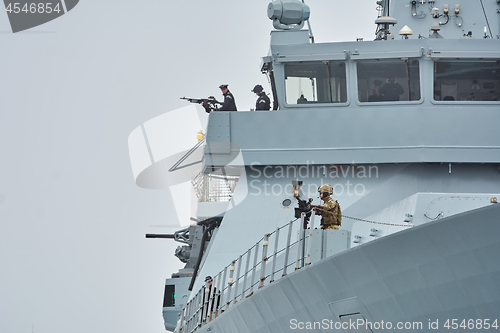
x=213 y=188
x=250 y=271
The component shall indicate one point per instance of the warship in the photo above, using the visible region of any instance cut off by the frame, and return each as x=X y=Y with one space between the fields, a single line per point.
x=405 y=130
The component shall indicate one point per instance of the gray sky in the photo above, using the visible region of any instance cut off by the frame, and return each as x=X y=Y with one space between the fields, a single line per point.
x=73 y=257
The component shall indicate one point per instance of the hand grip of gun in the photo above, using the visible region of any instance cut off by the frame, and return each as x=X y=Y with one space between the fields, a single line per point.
x=318 y=210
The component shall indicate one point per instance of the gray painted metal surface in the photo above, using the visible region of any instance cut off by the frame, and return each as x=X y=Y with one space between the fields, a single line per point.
x=447 y=269
x=171 y=313
x=431 y=157
x=270 y=262
x=415 y=134
x=264 y=188
x=390 y=132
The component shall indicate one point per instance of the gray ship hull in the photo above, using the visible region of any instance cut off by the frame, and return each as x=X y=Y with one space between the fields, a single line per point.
x=415 y=280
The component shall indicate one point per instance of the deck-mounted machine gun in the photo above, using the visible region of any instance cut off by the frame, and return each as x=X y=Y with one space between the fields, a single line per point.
x=304 y=206
x=196 y=238
x=304 y=210
x=181 y=236
x=209 y=104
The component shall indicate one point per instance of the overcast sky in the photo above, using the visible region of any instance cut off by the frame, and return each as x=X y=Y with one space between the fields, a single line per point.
x=73 y=256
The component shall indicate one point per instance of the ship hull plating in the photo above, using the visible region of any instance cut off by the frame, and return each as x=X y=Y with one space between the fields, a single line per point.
x=418 y=280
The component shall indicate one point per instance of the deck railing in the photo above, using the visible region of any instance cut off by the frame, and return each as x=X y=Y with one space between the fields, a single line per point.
x=269 y=259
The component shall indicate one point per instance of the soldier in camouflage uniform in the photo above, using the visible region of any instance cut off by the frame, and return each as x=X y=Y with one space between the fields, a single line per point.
x=329 y=210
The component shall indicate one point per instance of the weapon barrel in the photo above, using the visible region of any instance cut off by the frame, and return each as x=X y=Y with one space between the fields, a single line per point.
x=193 y=100
x=160 y=236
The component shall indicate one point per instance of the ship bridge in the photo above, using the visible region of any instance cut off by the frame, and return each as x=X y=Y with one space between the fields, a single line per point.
x=428 y=95
x=447 y=109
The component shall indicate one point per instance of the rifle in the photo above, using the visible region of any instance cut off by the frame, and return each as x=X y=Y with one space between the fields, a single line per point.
x=207 y=103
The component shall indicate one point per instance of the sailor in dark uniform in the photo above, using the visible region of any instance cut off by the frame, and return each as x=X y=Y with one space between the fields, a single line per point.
x=229 y=103
x=263 y=102
x=391 y=90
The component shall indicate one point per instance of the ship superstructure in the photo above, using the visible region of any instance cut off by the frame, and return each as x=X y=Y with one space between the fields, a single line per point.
x=404 y=128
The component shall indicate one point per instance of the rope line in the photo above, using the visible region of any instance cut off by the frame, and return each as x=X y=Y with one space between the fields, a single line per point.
x=357 y=219
x=384 y=223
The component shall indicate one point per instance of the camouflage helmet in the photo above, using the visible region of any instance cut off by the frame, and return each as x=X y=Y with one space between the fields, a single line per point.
x=325 y=189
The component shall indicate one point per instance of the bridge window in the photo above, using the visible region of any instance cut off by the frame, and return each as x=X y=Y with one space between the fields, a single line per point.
x=388 y=80
x=467 y=80
x=315 y=82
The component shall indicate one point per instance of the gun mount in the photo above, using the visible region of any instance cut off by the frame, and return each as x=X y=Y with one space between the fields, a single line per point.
x=195 y=237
